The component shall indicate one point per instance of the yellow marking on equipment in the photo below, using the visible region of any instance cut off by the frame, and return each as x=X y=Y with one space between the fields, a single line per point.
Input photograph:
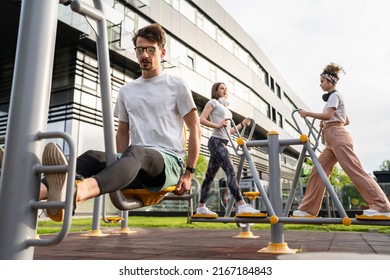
x=308 y=216
x=147 y=197
x=273 y=132
x=240 y=141
x=251 y=215
x=303 y=138
x=346 y=221
x=274 y=220
x=251 y=195
x=205 y=216
x=114 y=219
x=277 y=248
x=376 y=217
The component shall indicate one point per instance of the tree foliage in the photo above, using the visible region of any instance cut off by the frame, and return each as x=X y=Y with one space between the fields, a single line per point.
x=385 y=166
x=338 y=178
x=201 y=168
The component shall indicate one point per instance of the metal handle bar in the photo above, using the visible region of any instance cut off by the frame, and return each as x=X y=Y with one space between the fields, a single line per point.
x=68 y=203
x=310 y=126
x=189 y=196
x=253 y=127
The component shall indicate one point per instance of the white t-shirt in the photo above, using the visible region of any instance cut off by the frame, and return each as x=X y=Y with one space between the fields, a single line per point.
x=154 y=109
x=336 y=101
x=220 y=113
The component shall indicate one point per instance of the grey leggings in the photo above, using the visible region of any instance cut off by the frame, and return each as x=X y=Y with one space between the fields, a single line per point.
x=220 y=157
x=137 y=167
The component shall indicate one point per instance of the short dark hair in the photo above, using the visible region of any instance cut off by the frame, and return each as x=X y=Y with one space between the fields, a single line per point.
x=153 y=32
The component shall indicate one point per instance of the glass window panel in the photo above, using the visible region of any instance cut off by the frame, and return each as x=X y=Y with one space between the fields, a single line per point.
x=202 y=66
x=209 y=28
x=243 y=55
x=222 y=76
x=213 y=73
x=128 y=26
x=254 y=100
x=264 y=108
x=76 y=96
x=176 y=4
x=142 y=22
x=78 y=80
x=88 y=100
x=90 y=84
x=177 y=50
x=188 y=11
x=227 y=43
x=199 y=20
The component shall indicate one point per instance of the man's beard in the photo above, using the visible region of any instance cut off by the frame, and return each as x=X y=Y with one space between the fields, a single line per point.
x=146 y=64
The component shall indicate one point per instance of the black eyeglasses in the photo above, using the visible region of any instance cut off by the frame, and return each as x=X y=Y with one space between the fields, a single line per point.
x=149 y=50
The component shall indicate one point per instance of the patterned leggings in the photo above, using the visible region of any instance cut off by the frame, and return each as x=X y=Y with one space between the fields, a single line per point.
x=219 y=157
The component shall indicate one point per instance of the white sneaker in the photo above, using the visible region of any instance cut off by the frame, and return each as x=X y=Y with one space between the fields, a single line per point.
x=300 y=213
x=204 y=211
x=371 y=213
x=247 y=208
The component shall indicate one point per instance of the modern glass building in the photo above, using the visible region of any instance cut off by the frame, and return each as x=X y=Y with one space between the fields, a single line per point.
x=205 y=44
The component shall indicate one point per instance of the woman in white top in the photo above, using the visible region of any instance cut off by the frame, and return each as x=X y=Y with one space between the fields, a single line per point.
x=216 y=115
x=338 y=148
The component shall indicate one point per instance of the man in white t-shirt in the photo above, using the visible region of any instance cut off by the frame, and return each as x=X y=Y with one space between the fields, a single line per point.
x=152 y=111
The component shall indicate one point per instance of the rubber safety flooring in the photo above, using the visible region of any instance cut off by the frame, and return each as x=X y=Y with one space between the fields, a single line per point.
x=206 y=244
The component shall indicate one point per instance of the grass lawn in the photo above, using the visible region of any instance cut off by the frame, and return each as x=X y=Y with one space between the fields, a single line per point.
x=85 y=224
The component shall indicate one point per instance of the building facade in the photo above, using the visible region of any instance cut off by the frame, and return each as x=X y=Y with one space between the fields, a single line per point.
x=204 y=45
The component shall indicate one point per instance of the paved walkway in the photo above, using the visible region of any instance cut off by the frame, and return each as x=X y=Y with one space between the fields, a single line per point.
x=206 y=244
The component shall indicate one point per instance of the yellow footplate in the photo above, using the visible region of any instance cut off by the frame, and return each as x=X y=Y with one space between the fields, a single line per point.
x=205 y=216
x=306 y=217
x=252 y=215
x=374 y=218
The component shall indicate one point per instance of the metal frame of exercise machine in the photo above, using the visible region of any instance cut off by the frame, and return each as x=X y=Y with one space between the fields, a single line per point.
x=277 y=216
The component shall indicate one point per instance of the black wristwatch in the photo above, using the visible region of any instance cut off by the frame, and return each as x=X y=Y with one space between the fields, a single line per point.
x=190 y=169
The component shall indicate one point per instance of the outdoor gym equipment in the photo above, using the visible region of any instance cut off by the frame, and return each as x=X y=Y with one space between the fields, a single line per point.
x=279 y=216
x=27 y=121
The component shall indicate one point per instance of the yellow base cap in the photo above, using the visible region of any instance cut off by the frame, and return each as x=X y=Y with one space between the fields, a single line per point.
x=246 y=234
x=277 y=248
x=126 y=230
x=95 y=233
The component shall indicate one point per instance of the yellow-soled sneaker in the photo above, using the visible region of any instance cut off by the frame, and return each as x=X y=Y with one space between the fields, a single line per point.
x=302 y=214
x=52 y=155
x=204 y=212
x=371 y=214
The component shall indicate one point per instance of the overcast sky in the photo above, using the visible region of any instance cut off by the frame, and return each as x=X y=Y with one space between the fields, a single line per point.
x=301 y=36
